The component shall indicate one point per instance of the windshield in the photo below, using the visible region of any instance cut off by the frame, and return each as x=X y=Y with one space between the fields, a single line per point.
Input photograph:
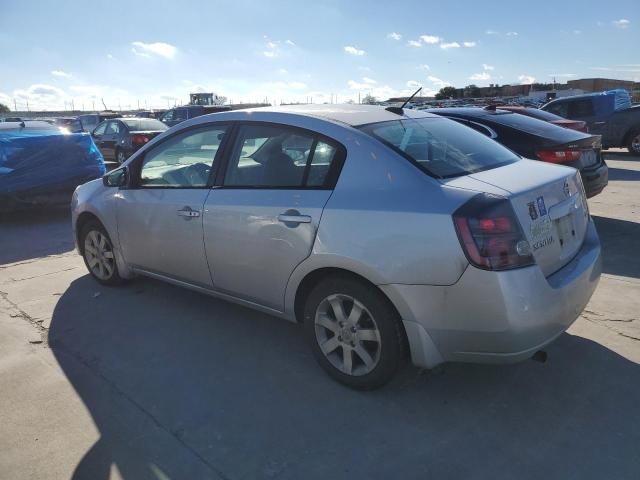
x=144 y=124
x=441 y=147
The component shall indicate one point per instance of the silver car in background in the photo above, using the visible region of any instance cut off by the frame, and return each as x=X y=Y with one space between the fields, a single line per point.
x=384 y=232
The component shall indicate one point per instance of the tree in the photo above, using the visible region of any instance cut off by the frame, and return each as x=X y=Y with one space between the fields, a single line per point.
x=4 y=108
x=472 y=91
x=445 y=93
x=369 y=99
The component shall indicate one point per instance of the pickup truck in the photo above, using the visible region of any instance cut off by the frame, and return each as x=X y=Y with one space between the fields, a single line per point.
x=609 y=114
x=180 y=114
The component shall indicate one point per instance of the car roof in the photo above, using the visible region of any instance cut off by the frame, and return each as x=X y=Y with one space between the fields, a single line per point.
x=28 y=125
x=353 y=115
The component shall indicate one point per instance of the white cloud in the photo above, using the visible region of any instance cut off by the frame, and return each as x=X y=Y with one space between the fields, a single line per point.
x=424 y=66
x=5 y=99
x=480 y=76
x=577 y=32
x=512 y=34
x=283 y=71
x=439 y=83
x=446 y=46
x=414 y=43
x=526 y=79
x=601 y=69
x=109 y=56
x=394 y=36
x=368 y=80
x=413 y=84
x=622 y=23
x=469 y=44
x=60 y=73
x=487 y=67
x=353 y=50
x=491 y=32
x=269 y=53
x=272 y=45
x=289 y=42
x=158 y=48
x=430 y=39
x=297 y=85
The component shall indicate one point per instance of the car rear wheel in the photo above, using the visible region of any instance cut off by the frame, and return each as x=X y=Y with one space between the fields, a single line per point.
x=634 y=142
x=355 y=334
x=121 y=157
x=98 y=254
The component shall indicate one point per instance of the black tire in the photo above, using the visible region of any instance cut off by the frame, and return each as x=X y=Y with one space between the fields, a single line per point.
x=391 y=333
x=112 y=278
x=634 y=139
x=120 y=153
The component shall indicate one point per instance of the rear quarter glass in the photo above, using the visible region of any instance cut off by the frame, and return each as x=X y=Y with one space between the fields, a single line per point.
x=441 y=147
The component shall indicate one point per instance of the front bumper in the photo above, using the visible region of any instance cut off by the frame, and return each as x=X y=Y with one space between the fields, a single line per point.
x=594 y=180
x=497 y=317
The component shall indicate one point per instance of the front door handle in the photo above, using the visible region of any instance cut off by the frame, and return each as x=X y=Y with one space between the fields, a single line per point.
x=293 y=217
x=188 y=212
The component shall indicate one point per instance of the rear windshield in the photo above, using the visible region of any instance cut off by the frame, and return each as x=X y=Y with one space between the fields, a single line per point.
x=144 y=124
x=441 y=147
x=540 y=114
x=534 y=126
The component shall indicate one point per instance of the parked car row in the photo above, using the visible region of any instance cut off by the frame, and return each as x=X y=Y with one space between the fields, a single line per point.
x=380 y=230
x=119 y=138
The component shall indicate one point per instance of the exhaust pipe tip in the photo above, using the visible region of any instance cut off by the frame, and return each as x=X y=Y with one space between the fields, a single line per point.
x=540 y=356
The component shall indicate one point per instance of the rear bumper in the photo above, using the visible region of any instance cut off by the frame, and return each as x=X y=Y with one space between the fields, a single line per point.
x=595 y=180
x=497 y=317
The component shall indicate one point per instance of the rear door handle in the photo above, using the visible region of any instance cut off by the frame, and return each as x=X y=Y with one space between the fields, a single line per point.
x=293 y=218
x=188 y=212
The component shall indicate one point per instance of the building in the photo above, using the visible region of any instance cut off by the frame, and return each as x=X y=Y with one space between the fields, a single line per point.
x=601 y=84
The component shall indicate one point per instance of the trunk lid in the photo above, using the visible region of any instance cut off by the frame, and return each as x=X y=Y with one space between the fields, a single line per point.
x=550 y=205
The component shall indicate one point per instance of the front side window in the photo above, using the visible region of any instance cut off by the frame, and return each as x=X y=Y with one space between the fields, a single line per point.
x=559 y=108
x=184 y=160
x=168 y=116
x=271 y=156
x=441 y=147
x=180 y=114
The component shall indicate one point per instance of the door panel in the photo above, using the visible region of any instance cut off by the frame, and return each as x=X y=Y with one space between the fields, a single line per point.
x=251 y=251
x=160 y=230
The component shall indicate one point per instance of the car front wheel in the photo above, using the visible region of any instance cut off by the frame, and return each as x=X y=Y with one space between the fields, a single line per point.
x=121 y=157
x=354 y=332
x=634 y=143
x=98 y=254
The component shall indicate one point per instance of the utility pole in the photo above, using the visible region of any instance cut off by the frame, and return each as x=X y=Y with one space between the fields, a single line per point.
x=93 y=105
x=28 y=105
x=15 y=106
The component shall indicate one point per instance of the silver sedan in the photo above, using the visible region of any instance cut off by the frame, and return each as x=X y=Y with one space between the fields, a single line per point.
x=385 y=232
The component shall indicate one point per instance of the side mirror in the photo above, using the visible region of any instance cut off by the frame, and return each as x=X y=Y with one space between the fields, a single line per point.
x=117 y=178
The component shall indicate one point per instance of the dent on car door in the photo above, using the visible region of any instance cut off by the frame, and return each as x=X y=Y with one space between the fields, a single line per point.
x=160 y=215
x=261 y=222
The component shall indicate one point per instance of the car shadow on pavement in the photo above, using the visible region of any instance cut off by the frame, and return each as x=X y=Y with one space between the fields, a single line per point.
x=621 y=156
x=624 y=174
x=181 y=385
x=35 y=233
x=620 y=241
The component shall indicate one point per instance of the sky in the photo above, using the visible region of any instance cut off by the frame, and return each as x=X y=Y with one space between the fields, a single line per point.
x=153 y=54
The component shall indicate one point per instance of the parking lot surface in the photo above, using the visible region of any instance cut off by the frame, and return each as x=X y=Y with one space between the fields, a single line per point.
x=151 y=381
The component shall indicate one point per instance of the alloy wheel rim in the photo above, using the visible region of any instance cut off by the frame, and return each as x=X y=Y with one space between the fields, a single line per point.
x=121 y=158
x=347 y=334
x=99 y=255
x=635 y=143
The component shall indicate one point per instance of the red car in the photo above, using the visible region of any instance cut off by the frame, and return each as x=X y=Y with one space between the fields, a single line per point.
x=547 y=117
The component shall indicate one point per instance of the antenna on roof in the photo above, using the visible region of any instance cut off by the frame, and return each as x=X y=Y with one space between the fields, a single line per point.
x=399 y=110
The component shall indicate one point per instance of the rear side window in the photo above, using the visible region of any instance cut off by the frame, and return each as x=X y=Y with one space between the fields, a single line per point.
x=142 y=125
x=270 y=156
x=441 y=147
x=580 y=109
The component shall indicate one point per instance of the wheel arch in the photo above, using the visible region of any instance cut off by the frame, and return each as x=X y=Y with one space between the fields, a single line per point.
x=84 y=218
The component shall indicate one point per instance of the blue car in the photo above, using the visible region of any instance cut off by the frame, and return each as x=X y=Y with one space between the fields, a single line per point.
x=41 y=164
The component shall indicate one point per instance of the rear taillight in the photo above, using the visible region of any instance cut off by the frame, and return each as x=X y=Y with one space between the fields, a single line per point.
x=138 y=139
x=558 y=156
x=490 y=234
